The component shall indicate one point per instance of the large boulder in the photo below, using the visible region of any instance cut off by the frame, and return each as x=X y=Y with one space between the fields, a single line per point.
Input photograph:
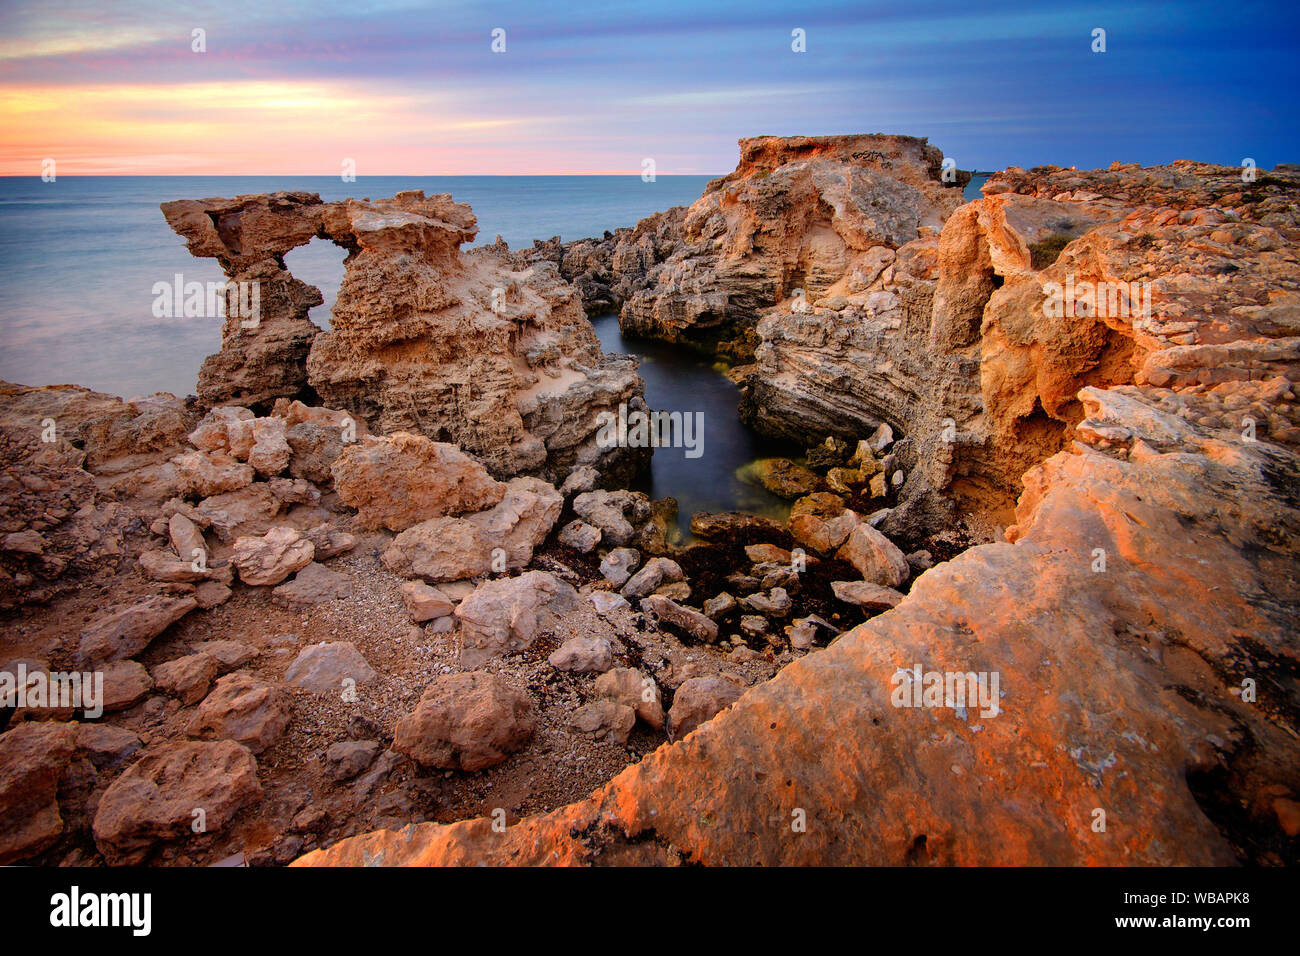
x=325 y=667
x=242 y=708
x=402 y=479
x=877 y=558
x=126 y=632
x=466 y=722
x=505 y=616
x=174 y=788
x=502 y=538
x=201 y=474
x=272 y=557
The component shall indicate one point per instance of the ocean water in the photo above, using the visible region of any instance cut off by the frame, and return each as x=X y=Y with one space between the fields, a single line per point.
x=79 y=258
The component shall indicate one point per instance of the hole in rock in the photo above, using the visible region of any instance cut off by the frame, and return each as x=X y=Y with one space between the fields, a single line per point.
x=319 y=263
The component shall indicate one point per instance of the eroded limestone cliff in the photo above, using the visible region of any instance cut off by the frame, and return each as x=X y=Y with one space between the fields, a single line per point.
x=459 y=347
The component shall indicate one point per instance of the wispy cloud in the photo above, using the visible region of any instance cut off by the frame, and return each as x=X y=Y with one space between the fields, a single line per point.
x=413 y=87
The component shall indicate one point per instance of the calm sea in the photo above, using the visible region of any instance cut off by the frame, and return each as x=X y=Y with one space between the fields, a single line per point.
x=79 y=256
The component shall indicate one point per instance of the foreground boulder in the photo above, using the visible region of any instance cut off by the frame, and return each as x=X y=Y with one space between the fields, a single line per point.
x=502 y=538
x=33 y=757
x=503 y=617
x=160 y=797
x=466 y=722
x=402 y=479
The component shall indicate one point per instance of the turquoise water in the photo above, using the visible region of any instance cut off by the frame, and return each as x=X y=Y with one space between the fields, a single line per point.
x=79 y=257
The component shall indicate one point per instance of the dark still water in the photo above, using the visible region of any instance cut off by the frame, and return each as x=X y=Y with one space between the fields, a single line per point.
x=678 y=380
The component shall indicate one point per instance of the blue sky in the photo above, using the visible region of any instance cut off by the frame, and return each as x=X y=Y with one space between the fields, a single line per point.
x=406 y=88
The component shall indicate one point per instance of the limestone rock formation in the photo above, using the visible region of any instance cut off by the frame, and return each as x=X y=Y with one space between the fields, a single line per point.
x=492 y=354
x=1119 y=689
x=1130 y=648
x=797 y=215
x=975 y=346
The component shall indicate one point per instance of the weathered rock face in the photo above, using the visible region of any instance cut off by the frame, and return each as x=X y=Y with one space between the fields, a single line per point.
x=71 y=461
x=975 y=346
x=478 y=349
x=1145 y=580
x=798 y=213
x=155 y=799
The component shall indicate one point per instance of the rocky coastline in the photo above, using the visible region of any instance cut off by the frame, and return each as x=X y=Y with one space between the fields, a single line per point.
x=378 y=594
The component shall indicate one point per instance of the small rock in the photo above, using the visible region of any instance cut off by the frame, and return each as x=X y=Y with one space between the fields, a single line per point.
x=685 y=619
x=229 y=654
x=126 y=632
x=424 y=602
x=314 y=584
x=154 y=799
x=634 y=689
x=579 y=536
x=866 y=595
x=187 y=678
x=211 y=594
x=126 y=683
x=698 y=700
x=273 y=557
x=348 y=758
x=323 y=668
x=618 y=565
x=657 y=571
x=607 y=602
x=716 y=607
x=604 y=720
x=775 y=603
x=583 y=655
x=877 y=558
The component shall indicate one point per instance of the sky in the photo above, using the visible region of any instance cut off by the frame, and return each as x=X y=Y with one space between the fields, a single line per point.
x=400 y=88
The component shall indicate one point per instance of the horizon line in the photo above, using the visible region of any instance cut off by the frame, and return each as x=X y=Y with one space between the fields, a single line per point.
x=336 y=176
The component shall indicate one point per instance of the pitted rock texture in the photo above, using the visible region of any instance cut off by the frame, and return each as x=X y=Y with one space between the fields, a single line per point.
x=478 y=349
x=1120 y=689
x=975 y=347
x=72 y=464
x=798 y=213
